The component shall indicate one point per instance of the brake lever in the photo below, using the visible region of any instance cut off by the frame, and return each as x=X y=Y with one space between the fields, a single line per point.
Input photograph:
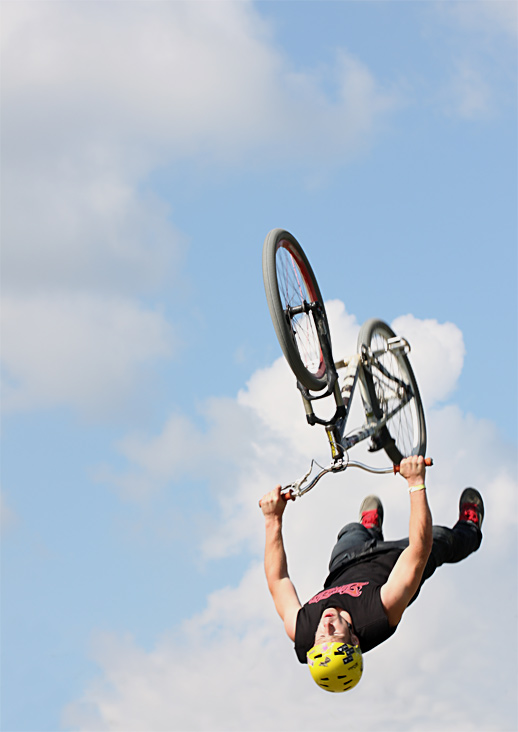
x=296 y=489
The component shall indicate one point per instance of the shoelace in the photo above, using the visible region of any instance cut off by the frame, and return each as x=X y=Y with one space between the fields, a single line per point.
x=370 y=518
x=469 y=512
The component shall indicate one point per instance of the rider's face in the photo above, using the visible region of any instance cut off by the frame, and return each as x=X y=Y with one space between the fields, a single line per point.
x=335 y=626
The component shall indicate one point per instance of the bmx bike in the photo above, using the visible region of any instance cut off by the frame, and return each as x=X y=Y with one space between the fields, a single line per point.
x=394 y=415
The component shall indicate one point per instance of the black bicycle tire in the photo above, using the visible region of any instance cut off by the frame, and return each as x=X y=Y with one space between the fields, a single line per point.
x=274 y=240
x=393 y=443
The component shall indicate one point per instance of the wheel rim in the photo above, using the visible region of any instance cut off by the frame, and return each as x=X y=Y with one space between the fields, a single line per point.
x=296 y=287
x=403 y=426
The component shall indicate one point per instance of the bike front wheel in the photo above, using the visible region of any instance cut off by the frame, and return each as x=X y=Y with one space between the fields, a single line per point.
x=291 y=286
x=392 y=389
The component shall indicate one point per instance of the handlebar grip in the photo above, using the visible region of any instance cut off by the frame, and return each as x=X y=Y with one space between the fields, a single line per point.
x=427 y=461
x=287 y=495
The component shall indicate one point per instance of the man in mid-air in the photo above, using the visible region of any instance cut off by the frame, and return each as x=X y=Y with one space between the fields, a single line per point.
x=371 y=582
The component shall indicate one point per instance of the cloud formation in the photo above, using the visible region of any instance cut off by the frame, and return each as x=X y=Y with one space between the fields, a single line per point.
x=437 y=355
x=184 y=77
x=497 y=19
x=95 y=97
x=77 y=350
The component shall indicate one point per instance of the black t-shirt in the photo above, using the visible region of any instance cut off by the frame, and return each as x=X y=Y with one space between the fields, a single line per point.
x=357 y=590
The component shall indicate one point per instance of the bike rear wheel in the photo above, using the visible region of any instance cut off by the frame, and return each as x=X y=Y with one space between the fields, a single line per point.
x=390 y=382
x=290 y=284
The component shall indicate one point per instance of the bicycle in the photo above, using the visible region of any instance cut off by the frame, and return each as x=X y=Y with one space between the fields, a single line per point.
x=393 y=409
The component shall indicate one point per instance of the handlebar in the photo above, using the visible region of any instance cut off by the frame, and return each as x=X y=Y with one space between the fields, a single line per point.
x=297 y=489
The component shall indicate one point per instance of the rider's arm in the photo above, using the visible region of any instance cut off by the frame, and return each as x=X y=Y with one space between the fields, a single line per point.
x=406 y=575
x=281 y=587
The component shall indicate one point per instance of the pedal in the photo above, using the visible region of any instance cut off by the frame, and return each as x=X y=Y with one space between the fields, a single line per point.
x=398 y=344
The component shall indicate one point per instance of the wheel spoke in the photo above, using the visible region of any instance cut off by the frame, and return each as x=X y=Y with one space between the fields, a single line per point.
x=294 y=292
x=393 y=386
x=291 y=290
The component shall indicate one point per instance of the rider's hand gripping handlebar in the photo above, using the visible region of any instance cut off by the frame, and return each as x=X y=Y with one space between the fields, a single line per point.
x=427 y=461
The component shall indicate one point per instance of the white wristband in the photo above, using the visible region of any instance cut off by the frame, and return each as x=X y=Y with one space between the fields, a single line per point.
x=417 y=488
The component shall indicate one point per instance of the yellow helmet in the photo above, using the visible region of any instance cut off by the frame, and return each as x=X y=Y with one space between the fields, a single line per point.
x=335 y=666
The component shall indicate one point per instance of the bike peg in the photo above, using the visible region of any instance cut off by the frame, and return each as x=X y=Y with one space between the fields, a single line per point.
x=427 y=461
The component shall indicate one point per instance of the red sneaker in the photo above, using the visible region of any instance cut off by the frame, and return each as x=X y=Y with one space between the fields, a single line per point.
x=371 y=513
x=471 y=507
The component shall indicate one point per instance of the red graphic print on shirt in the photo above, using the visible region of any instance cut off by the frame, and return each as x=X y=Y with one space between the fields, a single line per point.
x=354 y=590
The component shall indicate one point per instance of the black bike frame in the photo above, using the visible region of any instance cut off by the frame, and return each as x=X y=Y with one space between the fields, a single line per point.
x=335 y=427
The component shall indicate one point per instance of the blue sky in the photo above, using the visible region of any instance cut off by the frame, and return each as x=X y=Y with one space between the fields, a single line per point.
x=147 y=149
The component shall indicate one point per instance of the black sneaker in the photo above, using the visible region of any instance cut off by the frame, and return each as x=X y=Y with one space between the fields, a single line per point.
x=471 y=507
x=371 y=513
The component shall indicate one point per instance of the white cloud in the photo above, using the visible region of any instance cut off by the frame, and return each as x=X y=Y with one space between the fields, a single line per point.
x=117 y=73
x=67 y=226
x=482 y=50
x=79 y=350
x=234 y=654
x=489 y=17
x=468 y=94
x=187 y=76
x=98 y=95
x=437 y=355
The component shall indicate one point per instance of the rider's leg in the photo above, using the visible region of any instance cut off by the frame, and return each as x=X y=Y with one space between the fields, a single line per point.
x=357 y=537
x=351 y=541
x=454 y=545
x=449 y=545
